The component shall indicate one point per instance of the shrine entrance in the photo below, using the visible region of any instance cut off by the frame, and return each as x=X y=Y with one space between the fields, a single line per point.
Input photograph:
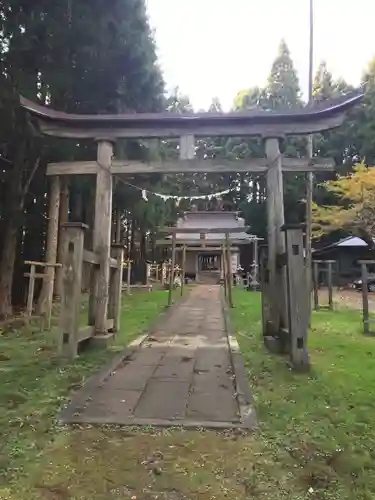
x=286 y=276
x=210 y=262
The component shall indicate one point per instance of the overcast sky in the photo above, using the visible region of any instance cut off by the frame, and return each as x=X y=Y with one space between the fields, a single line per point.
x=217 y=47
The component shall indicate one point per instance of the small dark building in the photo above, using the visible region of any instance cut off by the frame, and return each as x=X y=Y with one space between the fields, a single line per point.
x=346 y=252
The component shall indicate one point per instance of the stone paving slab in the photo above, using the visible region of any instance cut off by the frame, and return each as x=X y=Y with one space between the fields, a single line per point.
x=208 y=358
x=133 y=377
x=148 y=356
x=180 y=369
x=182 y=374
x=164 y=399
x=214 y=404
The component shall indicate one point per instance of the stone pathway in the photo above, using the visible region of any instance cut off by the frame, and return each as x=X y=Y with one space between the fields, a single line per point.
x=185 y=373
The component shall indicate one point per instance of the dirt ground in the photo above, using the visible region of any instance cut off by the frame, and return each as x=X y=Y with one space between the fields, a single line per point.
x=346 y=299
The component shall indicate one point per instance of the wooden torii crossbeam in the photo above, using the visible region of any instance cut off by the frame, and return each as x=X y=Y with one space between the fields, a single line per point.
x=259 y=165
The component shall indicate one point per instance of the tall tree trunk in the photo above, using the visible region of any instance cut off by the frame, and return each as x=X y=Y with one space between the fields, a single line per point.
x=7 y=266
x=16 y=200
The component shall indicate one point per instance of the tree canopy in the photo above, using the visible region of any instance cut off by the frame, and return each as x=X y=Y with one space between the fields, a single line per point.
x=99 y=58
x=354 y=208
x=282 y=90
x=75 y=56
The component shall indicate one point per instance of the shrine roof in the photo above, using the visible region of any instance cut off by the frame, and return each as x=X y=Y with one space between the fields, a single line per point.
x=202 y=220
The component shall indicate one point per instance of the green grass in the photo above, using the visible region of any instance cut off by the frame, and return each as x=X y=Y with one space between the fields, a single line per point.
x=322 y=423
x=34 y=382
x=316 y=438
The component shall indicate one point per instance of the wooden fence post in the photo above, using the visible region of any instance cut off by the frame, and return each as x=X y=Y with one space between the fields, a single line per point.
x=183 y=269
x=30 y=293
x=264 y=287
x=114 y=303
x=365 y=305
x=163 y=273
x=316 y=285
x=297 y=298
x=327 y=269
x=71 y=293
x=46 y=295
x=255 y=267
x=330 y=291
x=128 y=276
x=229 y=270
x=148 y=274
x=171 y=274
x=223 y=260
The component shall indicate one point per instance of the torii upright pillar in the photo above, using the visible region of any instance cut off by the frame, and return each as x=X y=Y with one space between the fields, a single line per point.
x=276 y=242
x=102 y=231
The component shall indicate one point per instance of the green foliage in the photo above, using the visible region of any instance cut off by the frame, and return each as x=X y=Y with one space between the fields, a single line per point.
x=283 y=91
x=249 y=99
x=77 y=56
x=354 y=207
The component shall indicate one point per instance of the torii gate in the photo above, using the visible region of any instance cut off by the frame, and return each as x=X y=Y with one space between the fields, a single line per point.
x=105 y=129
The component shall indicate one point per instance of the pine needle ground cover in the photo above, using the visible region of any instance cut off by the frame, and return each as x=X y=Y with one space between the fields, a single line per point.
x=315 y=441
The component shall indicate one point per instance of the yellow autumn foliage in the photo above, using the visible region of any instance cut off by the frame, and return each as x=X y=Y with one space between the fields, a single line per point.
x=355 y=209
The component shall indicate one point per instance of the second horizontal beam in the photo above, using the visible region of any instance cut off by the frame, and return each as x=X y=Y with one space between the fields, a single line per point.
x=255 y=165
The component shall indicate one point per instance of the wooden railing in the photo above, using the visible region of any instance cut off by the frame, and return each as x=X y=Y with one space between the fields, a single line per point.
x=72 y=333
x=32 y=275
